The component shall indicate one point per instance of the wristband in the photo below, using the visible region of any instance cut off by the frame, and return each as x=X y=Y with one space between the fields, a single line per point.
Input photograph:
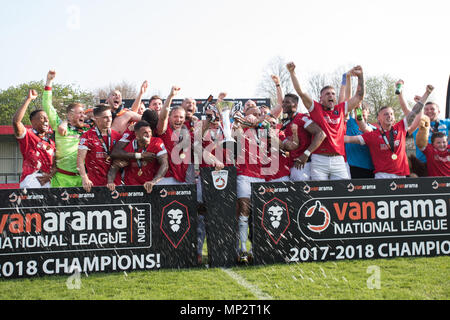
x=344 y=79
x=307 y=153
x=48 y=88
x=138 y=156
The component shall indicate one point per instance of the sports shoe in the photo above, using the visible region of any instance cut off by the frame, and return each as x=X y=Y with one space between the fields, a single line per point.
x=243 y=258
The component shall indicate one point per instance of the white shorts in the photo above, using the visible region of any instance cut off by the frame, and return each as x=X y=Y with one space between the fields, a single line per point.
x=383 y=175
x=31 y=182
x=244 y=186
x=282 y=179
x=328 y=168
x=303 y=174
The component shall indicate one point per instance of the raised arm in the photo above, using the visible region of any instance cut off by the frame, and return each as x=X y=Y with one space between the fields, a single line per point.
x=138 y=100
x=19 y=128
x=354 y=101
x=401 y=99
x=163 y=120
x=417 y=110
x=276 y=112
x=345 y=91
x=47 y=104
x=306 y=99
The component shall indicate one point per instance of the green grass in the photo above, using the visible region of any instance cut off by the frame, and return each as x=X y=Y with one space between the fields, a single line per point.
x=400 y=279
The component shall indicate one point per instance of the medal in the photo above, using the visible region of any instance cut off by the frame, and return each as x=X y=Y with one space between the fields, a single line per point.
x=182 y=156
x=140 y=172
x=394 y=157
x=104 y=146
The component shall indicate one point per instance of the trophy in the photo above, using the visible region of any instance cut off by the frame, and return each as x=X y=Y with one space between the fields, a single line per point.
x=225 y=107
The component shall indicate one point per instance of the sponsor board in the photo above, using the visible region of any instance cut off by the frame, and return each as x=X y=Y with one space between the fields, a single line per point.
x=219 y=196
x=358 y=219
x=59 y=231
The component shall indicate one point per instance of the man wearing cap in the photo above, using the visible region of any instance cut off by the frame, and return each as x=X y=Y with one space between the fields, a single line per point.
x=36 y=146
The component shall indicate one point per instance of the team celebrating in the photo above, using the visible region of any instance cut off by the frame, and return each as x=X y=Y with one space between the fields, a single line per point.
x=110 y=146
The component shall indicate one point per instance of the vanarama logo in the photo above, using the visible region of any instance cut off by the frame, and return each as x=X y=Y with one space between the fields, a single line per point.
x=318 y=209
x=376 y=216
x=60 y=220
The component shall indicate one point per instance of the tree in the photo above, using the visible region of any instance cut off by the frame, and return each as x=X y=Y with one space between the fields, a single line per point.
x=13 y=97
x=266 y=87
x=127 y=89
x=380 y=92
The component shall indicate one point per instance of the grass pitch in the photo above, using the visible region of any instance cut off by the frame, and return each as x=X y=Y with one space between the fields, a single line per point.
x=393 y=279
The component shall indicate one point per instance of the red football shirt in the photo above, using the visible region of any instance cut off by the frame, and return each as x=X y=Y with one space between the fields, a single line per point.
x=279 y=162
x=304 y=137
x=96 y=165
x=149 y=168
x=438 y=162
x=179 y=158
x=128 y=136
x=37 y=153
x=332 y=123
x=381 y=153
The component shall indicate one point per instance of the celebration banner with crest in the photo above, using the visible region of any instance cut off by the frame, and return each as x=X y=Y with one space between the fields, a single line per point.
x=351 y=219
x=63 y=231
x=219 y=196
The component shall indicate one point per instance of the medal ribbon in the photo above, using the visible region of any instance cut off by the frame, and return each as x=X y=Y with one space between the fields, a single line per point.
x=390 y=143
x=136 y=149
x=100 y=137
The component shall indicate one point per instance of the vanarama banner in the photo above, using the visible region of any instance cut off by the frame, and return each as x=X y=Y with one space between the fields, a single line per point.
x=357 y=219
x=62 y=231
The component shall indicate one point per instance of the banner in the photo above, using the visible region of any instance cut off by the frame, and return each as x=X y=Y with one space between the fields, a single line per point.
x=62 y=231
x=350 y=219
x=219 y=196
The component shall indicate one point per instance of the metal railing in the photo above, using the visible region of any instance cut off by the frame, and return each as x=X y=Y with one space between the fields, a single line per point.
x=6 y=178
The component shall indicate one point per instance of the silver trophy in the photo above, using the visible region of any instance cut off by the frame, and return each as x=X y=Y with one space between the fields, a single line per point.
x=224 y=107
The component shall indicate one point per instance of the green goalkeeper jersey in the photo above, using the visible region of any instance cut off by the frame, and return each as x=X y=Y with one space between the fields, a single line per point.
x=67 y=145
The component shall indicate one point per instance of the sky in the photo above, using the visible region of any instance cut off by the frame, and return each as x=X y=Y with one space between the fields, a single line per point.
x=206 y=47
